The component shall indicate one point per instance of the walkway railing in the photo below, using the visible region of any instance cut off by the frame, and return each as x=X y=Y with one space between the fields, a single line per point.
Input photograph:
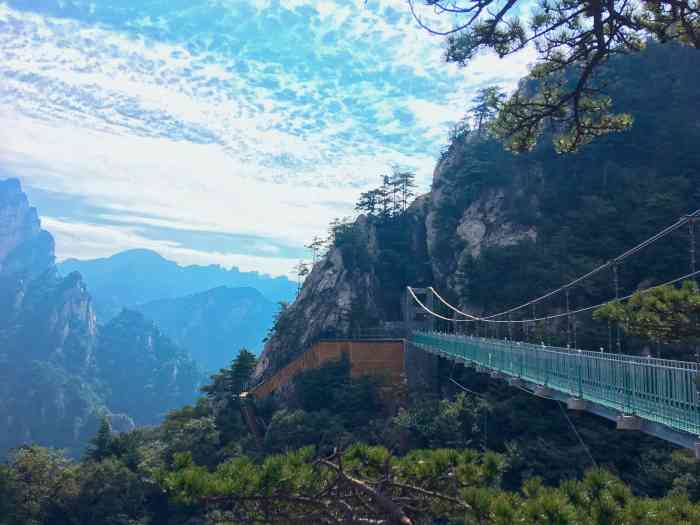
x=659 y=390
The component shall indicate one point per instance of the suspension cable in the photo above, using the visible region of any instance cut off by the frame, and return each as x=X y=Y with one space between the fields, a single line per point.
x=455 y=310
x=553 y=316
x=431 y=312
x=632 y=251
x=686 y=219
x=616 y=284
x=613 y=264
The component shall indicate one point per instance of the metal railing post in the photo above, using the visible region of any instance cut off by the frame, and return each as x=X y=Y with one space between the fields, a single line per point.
x=580 y=374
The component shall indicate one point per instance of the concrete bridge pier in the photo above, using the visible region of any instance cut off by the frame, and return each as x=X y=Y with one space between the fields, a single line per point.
x=577 y=404
x=628 y=422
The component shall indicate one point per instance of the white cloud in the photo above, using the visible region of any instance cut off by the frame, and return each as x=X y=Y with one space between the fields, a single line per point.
x=192 y=133
x=187 y=186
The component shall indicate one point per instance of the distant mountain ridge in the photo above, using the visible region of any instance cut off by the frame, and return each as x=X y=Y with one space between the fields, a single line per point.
x=215 y=324
x=139 y=276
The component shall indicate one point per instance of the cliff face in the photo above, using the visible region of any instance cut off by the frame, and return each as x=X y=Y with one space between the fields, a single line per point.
x=324 y=304
x=461 y=224
x=20 y=232
x=58 y=373
x=497 y=229
x=48 y=335
x=336 y=293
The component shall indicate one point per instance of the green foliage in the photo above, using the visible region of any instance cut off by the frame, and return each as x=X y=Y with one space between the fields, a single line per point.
x=296 y=486
x=41 y=486
x=566 y=90
x=665 y=314
x=110 y=494
x=314 y=469
x=198 y=436
x=391 y=199
x=101 y=444
x=223 y=395
x=44 y=483
x=426 y=486
x=487 y=103
x=229 y=382
x=293 y=429
x=560 y=216
x=7 y=494
x=677 y=474
x=436 y=423
x=352 y=240
x=330 y=388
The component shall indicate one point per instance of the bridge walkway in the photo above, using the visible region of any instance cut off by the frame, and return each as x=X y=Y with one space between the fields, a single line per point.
x=657 y=396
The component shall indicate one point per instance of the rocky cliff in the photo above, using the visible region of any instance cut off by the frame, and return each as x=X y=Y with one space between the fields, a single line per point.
x=48 y=335
x=56 y=381
x=497 y=229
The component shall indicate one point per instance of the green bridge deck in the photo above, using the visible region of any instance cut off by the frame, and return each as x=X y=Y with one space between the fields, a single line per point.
x=661 y=391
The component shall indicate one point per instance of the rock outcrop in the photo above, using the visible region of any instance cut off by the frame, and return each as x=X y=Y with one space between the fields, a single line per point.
x=333 y=291
x=322 y=309
x=56 y=378
x=24 y=246
x=48 y=336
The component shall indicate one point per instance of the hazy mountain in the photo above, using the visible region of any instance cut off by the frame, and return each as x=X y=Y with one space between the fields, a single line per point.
x=59 y=371
x=135 y=277
x=146 y=373
x=213 y=325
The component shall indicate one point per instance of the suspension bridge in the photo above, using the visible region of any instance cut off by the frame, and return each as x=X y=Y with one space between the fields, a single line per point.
x=658 y=396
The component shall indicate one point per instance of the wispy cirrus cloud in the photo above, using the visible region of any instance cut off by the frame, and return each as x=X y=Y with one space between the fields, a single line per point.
x=228 y=116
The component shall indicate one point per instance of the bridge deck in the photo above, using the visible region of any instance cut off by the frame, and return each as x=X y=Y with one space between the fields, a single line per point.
x=659 y=391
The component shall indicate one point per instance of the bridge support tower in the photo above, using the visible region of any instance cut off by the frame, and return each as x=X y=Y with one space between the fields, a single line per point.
x=421 y=367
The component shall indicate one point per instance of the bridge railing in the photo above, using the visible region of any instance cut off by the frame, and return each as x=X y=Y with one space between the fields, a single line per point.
x=660 y=390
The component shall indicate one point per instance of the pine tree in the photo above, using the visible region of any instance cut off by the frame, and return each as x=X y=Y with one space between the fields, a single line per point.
x=101 y=444
x=301 y=270
x=572 y=40
x=486 y=105
x=369 y=202
x=241 y=371
x=315 y=246
x=385 y=198
x=405 y=182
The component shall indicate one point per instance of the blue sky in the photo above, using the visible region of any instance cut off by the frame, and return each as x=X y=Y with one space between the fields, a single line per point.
x=220 y=131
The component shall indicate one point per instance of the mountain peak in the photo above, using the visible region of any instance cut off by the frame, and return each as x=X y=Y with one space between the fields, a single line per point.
x=139 y=253
x=9 y=186
x=24 y=246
